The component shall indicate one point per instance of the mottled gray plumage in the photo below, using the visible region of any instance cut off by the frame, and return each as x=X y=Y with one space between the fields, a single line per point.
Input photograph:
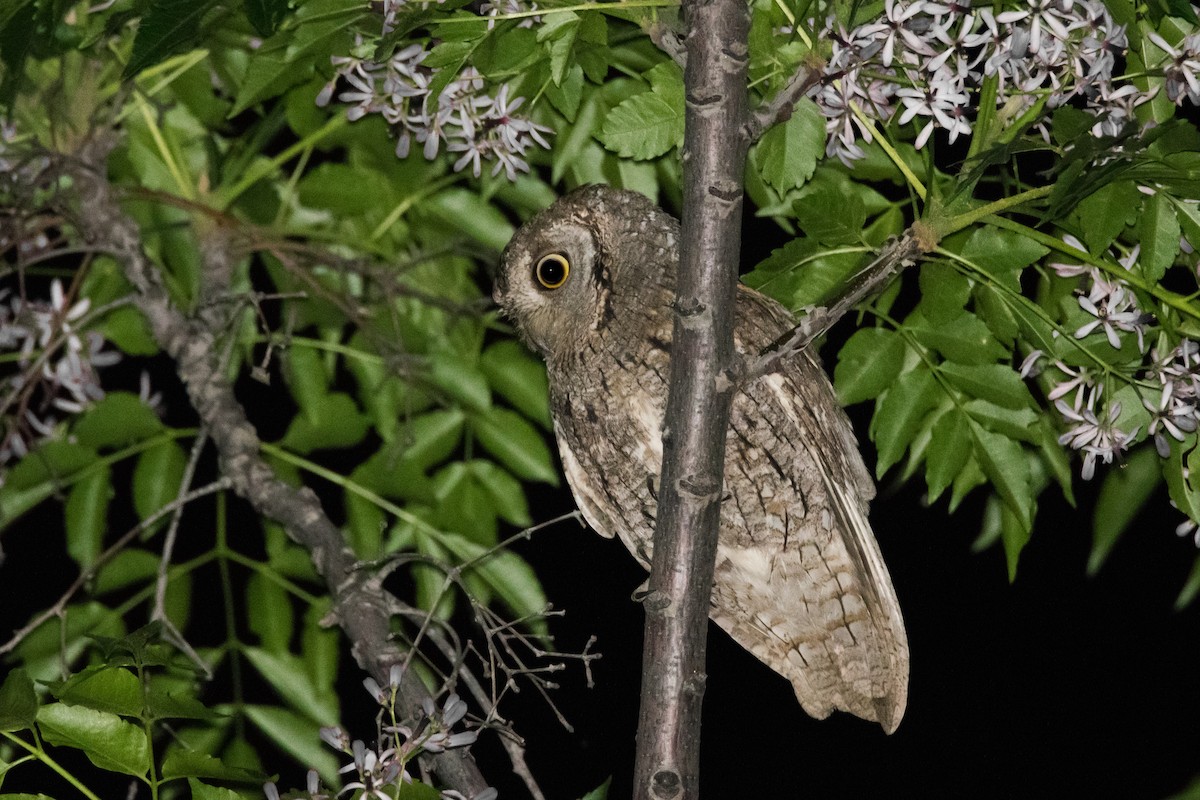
x=799 y=579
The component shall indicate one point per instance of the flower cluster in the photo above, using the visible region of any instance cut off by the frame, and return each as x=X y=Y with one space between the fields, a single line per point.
x=57 y=367
x=922 y=61
x=473 y=124
x=380 y=771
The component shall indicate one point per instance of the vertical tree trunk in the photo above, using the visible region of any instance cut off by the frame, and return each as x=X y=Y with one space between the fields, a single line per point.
x=701 y=388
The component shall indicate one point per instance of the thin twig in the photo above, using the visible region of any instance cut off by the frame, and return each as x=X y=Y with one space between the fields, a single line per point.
x=780 y=107
x=896 y=255
x=86 y=575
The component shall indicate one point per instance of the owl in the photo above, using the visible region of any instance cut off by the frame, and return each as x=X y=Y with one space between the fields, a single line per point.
x=799 y=579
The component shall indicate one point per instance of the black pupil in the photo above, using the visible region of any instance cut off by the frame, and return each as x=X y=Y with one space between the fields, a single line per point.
x=552 y=271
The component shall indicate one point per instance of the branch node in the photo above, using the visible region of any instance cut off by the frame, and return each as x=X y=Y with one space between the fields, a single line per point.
x=666 y=784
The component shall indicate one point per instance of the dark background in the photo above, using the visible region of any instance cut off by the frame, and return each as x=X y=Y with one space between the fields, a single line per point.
x=1057 y=685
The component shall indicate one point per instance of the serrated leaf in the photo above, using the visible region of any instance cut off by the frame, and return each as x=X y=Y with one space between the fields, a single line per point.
x=1158 y=232
x=1015 y=423
x=286 y=674
x=868 y=364
x=108 y=741
x=643 y=126
x=803 y=273
x=997 y=383
x=1005 y=464
x=157 y=478
x=1122 y=495
x=1104 y=214
x=788 y=153
x=948 y=451
x=111 y=689
x=944 y=292
x=18 y=701
x=516 y=444
x=965 y=339
x=900 y=414
x=118 y=420
x=87 y=516
x=168 y=27
x=1001 y=254
x=567 y=94
x=830 y=216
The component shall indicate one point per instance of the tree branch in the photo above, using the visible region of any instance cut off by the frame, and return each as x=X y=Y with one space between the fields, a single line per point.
x=359 y=604
x=780 y=107
x=698 y=403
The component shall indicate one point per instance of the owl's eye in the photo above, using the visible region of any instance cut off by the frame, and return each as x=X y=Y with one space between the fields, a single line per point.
x=552 y=270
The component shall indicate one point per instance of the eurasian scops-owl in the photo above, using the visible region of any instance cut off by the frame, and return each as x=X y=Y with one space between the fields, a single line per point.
x=799 y=581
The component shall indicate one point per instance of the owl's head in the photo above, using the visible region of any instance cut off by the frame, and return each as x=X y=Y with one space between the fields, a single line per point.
x=588 y=264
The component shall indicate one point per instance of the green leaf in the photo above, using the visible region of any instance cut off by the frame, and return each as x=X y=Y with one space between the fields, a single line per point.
x=108 y=741
x=286 y=674
x=1014 y=535
x=788 y=153
x=1104 y=214
x=965 y=339
x=334 y=421
x=1001 y=254
x=944 y=292
x=1191 y=587
x=18 y=702
x=600 y=792
x=643 y=126
x=461 y=380
x=505 y=491
x=87 y=516
x=1178 y=472
x=1123 y=494
x=803 y=273
x=190 y=764
x=307 y=379
x=868 y=364
x=163 y=703
x=948 y=451
x=128 y=330
x=167 y=28
x=114 y=690
x=16 y=39
x=506 y=53
x=297 y=735
x=1158 y=232
x=157 y=478
x=900 y=413
x=998 y=383
x=466 y=211
x=992 y=305
x=432 y=436
x=516 y=444
x=1005 y=464
x=1015 y=423
x=39 y=475
x=265 y=15
x=829 y=215
x=519 y=378
x=269 y=612
x=202 y=791
x=118 y=420
x=126 y=568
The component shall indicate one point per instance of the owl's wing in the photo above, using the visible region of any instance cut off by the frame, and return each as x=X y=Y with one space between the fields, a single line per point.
x=590 y=503
x=800 y=579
